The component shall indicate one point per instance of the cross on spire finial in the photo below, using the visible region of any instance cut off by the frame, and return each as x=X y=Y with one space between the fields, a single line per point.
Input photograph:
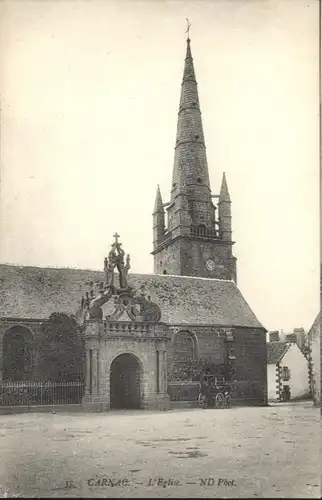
x=116 y=236
x=188 y=28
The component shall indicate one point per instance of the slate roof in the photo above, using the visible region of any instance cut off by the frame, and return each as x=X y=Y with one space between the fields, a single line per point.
x=276 y=350
x=35 y=293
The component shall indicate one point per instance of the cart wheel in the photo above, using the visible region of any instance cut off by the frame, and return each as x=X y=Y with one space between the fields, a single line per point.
x=202 y=400
x=220 y=400
x=227 y=400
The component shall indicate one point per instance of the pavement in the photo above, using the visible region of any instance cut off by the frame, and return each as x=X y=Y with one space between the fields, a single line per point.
x=267 y=452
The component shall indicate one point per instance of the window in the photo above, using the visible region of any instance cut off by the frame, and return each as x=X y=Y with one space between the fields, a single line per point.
x=286 y=374
x=184 y=346
x=184 y=351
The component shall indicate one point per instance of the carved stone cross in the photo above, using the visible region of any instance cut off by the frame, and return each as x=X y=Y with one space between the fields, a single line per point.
x=116 y=236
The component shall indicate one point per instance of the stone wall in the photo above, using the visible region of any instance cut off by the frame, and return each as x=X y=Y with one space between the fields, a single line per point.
x=315 y=359
x=251 y=355
x=250 y=352
x=187 y=257
x=168 y=259
x=195 y=253
x=316 y=369
x=209 y=342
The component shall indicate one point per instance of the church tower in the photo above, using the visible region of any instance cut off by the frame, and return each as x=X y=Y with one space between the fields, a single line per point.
x=197 y=238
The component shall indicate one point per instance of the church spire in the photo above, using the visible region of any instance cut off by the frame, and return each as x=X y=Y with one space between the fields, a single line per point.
x=158 y=219
x=190 y=170
x=197 y=238
x=158 y=204
x=224 y=211
x=224 y=193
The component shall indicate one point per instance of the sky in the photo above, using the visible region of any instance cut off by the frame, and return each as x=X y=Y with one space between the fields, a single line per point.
x=89 y=95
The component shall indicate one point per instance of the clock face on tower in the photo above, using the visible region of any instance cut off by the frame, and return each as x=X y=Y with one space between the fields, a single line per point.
x=210 y=265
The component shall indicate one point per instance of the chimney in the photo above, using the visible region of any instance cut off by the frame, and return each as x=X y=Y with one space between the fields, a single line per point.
x=274 y=336
x=300 y=336
x=291 y=337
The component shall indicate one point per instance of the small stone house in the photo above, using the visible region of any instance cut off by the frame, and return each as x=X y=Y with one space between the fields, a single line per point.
x=287 y=372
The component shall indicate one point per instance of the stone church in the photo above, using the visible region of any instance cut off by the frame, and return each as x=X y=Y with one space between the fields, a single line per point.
x=140 y=330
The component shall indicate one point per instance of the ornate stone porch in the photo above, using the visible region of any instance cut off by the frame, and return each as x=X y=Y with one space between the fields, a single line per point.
x=146 y=343
x=126 y=351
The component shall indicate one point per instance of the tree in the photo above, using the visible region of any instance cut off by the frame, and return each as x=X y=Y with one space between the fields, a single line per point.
x=60 y=350
x=191 y=370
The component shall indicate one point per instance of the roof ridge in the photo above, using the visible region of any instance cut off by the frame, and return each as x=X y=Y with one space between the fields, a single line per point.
x=72 y=268
x=191 y=277
x=34 y=266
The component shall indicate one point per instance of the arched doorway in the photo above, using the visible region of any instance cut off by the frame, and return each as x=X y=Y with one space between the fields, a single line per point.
x=17 y=354
x=125 y=382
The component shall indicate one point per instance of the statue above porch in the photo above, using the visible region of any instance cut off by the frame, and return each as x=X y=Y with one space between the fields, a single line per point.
x=124 y=299
x=116 y=260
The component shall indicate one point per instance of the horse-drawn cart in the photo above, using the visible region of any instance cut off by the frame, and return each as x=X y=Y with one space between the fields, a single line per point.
x=213 y=392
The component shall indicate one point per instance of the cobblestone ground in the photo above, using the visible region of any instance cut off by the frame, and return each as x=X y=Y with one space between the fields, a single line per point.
x=238 y=452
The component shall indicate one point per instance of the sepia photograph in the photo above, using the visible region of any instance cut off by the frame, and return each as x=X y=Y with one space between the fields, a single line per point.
x=160 y=265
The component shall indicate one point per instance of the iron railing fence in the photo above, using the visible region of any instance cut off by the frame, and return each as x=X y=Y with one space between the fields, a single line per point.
x=185 y=391
x=40 y=393
x=55 y=393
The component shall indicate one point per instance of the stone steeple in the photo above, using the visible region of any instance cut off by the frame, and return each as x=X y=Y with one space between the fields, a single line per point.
x=224 y=193
x=190 y=169
x=192 y=242
x=158 y=219
x=224 y=211
x=158 y=205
